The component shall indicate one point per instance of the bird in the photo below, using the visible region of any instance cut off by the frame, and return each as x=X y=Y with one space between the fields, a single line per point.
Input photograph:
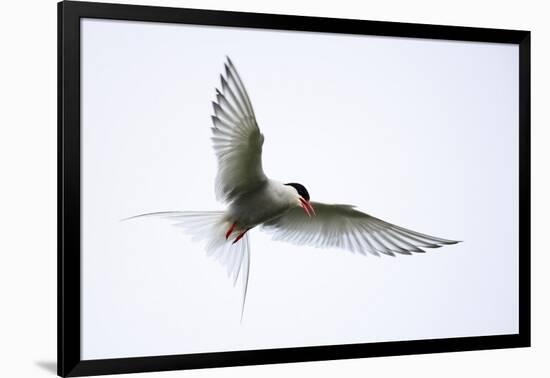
x=285 y=210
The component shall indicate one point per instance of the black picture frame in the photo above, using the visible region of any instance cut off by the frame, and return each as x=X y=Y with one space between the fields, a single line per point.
x=69 y=356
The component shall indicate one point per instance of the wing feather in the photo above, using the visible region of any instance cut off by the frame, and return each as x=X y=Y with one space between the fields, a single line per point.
x=342 y=226
x=236 y=138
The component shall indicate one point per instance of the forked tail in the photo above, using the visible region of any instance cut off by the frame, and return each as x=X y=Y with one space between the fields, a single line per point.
x=211 y=226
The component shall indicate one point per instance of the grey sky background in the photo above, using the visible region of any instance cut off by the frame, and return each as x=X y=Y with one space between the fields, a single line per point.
x=420 y=133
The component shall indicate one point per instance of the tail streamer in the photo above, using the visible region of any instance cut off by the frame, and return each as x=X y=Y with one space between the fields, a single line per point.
x=210 y=226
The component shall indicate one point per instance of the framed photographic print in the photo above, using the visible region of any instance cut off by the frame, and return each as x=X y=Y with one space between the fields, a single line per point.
x=239 y=188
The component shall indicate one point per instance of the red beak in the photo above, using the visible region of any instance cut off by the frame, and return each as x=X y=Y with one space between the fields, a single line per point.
x=307 y=207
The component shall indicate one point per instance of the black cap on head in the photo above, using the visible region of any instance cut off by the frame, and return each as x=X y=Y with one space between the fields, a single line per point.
x=302 y=191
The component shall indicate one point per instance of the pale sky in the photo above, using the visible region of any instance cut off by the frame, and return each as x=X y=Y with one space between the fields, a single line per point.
x=420 y=133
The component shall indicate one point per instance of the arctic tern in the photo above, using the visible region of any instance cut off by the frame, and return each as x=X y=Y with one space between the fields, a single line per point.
x=284 y=209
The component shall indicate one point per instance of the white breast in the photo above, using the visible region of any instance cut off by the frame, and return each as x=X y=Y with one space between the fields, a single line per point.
x=267 y=202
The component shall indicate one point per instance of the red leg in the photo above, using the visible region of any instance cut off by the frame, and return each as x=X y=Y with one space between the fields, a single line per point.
x=240 y=236
x=228 y=233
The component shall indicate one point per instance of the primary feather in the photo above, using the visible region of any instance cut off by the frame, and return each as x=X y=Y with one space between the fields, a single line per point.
x=342 y=226
x=237 y=139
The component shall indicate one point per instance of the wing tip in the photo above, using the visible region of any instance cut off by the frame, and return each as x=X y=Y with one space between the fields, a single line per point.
x=451 y=242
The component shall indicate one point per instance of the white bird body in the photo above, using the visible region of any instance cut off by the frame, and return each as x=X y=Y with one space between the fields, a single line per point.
x=282 y=209
x=249 y=209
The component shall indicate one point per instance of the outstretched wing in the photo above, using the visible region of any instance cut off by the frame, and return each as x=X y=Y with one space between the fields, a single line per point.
x=343 y=226
x=237 y=139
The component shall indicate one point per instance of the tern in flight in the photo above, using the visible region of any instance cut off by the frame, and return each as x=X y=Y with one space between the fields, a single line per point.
x=285 y=210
